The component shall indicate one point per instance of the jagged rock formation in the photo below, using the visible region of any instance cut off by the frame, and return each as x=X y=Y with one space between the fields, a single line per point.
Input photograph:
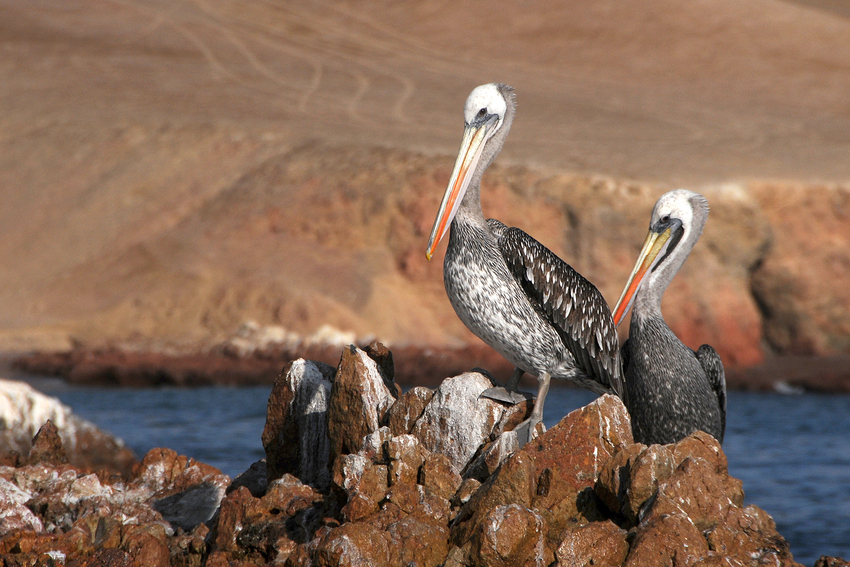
x=23 y=411
x=433 y=481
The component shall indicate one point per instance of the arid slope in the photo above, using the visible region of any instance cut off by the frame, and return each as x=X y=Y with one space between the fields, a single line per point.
x=169 y=170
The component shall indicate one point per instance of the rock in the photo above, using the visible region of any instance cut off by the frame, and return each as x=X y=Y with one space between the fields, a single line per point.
x=409 y=407
x=295 y=436
x=593 y=544
x=363 y=482
x=491 y=456
x=47 y=446
x=374 y=444
x=749 y=534
x=384 y=360
x=359 y=401
x=354 y=545
x=606 y=501
x=147 y=545
x=190 y=507
x=696 y=490
x=254 y=479
x=667 y=540
x=511 y=536
x=24 y=411
x=457 y=421
x=544 y=476
x=418 y=542
x=405 y=456
x=14 y=514
x=825 y=561
x=804 y=311
x=439 y=476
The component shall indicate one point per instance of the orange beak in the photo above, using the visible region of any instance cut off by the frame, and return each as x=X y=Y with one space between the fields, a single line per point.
x=467 y=159
x=652 y=247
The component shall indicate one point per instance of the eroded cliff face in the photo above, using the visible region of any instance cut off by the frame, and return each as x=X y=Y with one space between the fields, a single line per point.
x=336 y=235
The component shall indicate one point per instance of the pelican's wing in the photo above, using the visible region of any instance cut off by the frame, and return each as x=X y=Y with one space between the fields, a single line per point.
x=571 y=303
x=713 y=366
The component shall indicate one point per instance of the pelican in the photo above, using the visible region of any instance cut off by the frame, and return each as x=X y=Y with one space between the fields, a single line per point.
x=510 y=290
x=672 y=390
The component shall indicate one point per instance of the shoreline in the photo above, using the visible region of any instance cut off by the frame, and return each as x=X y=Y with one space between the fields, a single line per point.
x=413 y=366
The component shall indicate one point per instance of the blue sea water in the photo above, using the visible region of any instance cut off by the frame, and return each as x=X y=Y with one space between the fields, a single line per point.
x=792 y=452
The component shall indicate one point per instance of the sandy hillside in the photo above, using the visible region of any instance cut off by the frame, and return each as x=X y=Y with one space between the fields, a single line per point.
x=170 y=169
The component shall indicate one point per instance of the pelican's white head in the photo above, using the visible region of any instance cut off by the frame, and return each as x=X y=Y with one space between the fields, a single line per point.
x=675 y=225
x=488 y=111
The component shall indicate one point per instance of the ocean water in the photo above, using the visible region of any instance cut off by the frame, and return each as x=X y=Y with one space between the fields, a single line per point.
x=792 y=452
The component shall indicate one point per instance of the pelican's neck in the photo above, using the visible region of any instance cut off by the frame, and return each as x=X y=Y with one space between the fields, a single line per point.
x=470 y=206
x=470 y=210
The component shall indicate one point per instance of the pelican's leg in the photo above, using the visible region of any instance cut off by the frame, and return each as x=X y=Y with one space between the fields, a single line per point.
x=525 y=430
x=508 y=394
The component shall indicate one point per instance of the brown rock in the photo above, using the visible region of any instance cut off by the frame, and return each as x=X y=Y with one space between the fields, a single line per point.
x=407 y=409
x=110 y=558
x=295 y=435
x=358 y=507
x=631 y=478
x=287 y=496
x=804 y=311
x=465 y=491
x=357 y=474
x=511 y=536
x=384 y=360
x=698 y=491
x=405 y=456
x=374 y=444
x=415 y=500
x=826 y=561
x=419 y=542
x=147 y=545
x=667 y=540
x=701 y=445
x=749 y=535
x=438 y=476
x=231 y=519
x=600 y=544
x=358 y=402
x=613 y=480
x=593 y=434
x=491 y=456
x=47 y=446
x=513 y=416
x=355 y=544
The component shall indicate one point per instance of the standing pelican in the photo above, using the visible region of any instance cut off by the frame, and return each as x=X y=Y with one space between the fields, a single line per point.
x=672 y=390
x=510 y=290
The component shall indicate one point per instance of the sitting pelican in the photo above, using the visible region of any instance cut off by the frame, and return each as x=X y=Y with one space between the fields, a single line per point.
x=510 y=290
x=672 y=390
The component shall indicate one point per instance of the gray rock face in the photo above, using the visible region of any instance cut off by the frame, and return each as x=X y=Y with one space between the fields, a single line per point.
x=359 y=401
x=457 y=421
x=295 y=437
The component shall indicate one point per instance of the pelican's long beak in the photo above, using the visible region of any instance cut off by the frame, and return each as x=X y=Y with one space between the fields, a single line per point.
x=652 y=247
x=467 y=159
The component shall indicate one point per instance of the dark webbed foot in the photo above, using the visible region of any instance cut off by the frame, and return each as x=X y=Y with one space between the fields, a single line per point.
x=502 y=394
x=508 y=394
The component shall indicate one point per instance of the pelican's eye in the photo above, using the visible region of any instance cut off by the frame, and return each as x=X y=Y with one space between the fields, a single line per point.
x=665 y=219
x=482 y=112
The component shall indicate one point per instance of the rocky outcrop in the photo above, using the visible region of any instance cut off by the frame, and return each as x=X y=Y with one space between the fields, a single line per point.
x=23 y=412
x=583 y=493
x=804 y=311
